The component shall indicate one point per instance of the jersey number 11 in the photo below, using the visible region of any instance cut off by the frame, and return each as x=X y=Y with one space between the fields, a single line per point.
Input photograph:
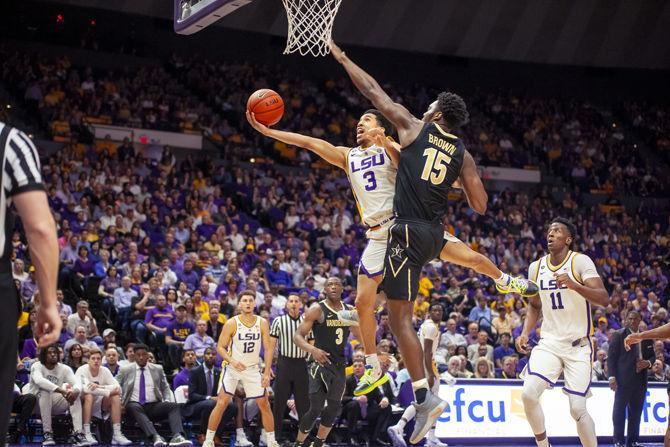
x=556 y=298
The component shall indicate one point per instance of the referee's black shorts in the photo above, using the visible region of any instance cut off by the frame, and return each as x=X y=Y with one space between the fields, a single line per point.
x=411 y=245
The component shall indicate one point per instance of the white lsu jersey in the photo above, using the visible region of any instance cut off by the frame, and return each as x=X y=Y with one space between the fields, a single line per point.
x=372 y=177
x=566 y=315
x=246 y=343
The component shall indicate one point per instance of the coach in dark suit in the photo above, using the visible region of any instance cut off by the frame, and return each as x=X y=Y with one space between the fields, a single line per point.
x=628 y=379
x=374 y=407
x=202 y=392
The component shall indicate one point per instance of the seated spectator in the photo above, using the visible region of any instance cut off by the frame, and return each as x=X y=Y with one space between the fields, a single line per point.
x=484 y=369
x=189 y=361
x=374 y=407
x=278 y=277
x=482 y=341
x=473 y=334
x=176 y=334
x=503 y=322
x=202 y=395
x=454 y=367
x=101 y=396
x=84 y=318
x=146 y=396
x=157 y=320
x=57 y=391
x=112 y=361
x=23 y=405
x=659 y=371
x=600 y=366
x=503 y=349
x=75 y=356
x=29 y=286
x=508 y=368
x=80 y=339
x=199 y=341
x=213 y=318
x=481 y=313
x=451 y=336
x=139 y=306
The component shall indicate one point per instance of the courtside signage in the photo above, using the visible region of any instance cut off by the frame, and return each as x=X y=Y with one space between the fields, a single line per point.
x=485 y=410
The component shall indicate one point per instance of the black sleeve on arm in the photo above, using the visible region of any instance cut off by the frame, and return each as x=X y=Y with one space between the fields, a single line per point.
x=613 y=354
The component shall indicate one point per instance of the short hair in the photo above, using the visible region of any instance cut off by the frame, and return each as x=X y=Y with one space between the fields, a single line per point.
x=632 y=311
x=251 y=293
x=95 y=350
x=570 y=226
x=435 y=303
x=453 y=108
x=209 y=348
x=382 y=121
x=141 y=347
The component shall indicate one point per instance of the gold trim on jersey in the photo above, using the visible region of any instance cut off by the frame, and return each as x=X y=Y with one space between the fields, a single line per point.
x=406 y=236
x=256 y=317
x=409 y=283
x=444 y=132
x=572 y=269
x=537 y=272
x=553 y=267
x=325 y=303
x=346 y=171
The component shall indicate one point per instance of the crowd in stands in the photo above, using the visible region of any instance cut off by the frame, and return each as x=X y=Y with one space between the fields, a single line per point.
x=154 y=252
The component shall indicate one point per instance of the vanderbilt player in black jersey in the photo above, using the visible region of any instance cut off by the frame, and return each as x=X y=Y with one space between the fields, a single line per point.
x=327 y=379
x=432 y=161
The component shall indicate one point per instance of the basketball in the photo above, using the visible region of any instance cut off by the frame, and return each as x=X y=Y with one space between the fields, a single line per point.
x=266 y=105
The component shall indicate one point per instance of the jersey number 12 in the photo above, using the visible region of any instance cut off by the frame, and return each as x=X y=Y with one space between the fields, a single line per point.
x=556 y=298
x=435 y=161
x=248 y=347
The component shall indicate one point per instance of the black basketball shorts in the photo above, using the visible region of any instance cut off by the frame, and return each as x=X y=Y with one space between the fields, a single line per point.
x=330 y=380
x=411 y=245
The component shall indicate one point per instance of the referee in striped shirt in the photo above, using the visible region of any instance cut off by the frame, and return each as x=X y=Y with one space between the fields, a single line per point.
x=291 y=376
x=22 y=190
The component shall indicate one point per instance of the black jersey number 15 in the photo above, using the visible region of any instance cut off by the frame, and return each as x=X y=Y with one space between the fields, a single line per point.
x=435 y=168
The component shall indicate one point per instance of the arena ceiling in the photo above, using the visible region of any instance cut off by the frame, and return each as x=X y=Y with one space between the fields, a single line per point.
x=603 y=33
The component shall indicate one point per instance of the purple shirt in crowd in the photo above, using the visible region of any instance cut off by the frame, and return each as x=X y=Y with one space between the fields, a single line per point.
x=160 y=317
x=179 y=331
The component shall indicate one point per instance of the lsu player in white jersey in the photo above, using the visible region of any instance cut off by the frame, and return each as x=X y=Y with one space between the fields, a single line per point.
x=429 y=336
x=569 y=285
x=371 y=168
x=240 y=346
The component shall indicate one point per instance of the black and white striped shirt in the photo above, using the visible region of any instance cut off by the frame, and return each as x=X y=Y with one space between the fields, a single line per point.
x=283 y=329
x=20 y=173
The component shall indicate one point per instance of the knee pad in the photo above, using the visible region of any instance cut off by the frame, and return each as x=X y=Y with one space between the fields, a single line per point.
x=533 y=387
x=331 y=412
x=577 y=407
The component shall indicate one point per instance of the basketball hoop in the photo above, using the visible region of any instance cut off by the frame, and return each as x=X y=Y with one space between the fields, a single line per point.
x=310 y=26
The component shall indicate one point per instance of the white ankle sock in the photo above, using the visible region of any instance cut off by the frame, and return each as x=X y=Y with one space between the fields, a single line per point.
x=240 y=433
x=373 y=360
x=503 y=280
x=116 y=428
x=87 y=429
x=543 y=443
x=269 y=437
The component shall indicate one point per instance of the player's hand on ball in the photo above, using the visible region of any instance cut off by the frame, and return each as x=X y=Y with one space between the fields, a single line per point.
x=239 y=366
x=631 y=340
x=563 y=280
x=521 y=343
x=320 y=356
x=256 y=125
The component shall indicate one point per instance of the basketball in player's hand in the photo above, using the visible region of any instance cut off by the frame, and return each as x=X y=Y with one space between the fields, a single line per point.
x=266 y=105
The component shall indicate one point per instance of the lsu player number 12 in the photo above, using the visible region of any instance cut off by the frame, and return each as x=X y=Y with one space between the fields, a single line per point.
x=568 y=285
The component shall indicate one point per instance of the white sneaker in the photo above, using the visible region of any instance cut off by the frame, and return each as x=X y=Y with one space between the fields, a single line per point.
x=208 y=444
x=242 y=441
x=90 y=439
x=273 y=444
x=121 y=440
x=263 y=440
x=397 y=436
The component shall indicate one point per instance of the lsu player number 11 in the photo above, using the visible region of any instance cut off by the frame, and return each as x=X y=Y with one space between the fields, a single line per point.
x=569 y=285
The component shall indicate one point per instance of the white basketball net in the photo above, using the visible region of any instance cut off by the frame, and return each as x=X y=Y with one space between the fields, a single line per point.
x=310 y=26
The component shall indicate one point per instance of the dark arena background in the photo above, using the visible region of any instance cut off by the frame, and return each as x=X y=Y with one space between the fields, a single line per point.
x=161 y=188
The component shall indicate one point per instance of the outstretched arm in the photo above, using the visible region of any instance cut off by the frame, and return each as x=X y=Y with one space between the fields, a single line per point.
x=335 y=155
x=408 y=126
x=660 y=333
x=472 y=185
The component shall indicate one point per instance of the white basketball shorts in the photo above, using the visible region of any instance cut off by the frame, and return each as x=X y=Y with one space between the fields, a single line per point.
x=250 y=379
